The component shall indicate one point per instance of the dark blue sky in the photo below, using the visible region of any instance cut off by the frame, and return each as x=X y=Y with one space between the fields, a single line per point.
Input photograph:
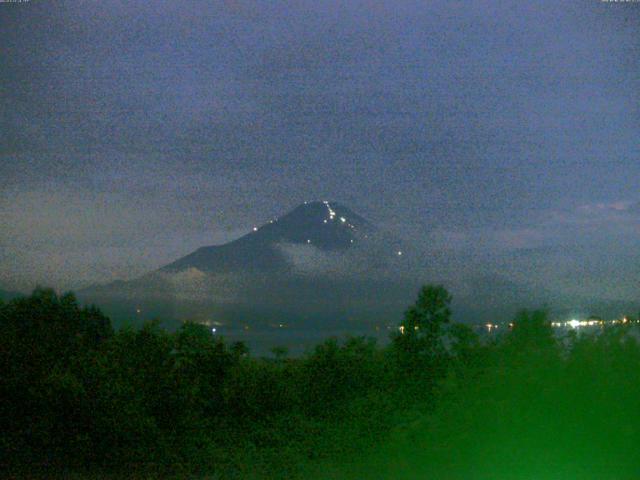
x=506 y=132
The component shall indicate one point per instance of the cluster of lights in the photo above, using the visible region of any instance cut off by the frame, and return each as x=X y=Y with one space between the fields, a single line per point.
x=573 y=323
x=402 y=328
x=331 y=211
x=592 y=323
x=577 y=323
x=332 y=216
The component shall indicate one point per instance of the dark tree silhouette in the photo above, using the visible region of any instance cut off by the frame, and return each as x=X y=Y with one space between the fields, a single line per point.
x=78 y=398
x=419 y=342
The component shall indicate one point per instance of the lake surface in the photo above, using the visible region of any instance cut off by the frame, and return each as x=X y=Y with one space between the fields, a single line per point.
x=297 y=341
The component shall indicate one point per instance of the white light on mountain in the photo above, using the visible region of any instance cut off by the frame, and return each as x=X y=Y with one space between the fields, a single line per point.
x=399 y=253
x=342 y=219
x=325 y=221
x=308 y=241
x=332 y=213
x=255 y=229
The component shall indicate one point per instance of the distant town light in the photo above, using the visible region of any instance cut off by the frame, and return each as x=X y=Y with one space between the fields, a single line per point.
x=342 y=219
x=399 y=252
x=213 y=330
x=255 y=229
x=574 y=323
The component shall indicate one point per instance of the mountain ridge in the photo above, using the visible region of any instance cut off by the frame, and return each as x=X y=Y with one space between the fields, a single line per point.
x=319 y=260
x=327 y=226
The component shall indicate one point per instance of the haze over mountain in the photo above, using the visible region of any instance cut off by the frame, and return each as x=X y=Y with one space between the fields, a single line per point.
x=323 y=266
x=321 y=262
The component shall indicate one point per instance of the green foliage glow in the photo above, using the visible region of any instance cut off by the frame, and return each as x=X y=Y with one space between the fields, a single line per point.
x=438 y=402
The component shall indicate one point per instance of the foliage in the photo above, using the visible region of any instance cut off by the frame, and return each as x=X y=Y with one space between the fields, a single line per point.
x=438 y=402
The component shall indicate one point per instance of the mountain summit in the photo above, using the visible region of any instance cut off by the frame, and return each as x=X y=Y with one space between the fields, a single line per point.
x=320 y=262
x=325 y=226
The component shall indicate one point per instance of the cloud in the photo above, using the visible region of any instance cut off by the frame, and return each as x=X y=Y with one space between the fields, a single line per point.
x=139 y=131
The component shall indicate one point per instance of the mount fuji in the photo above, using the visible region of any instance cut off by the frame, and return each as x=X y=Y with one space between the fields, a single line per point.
x=324 y=226
x=319 y=264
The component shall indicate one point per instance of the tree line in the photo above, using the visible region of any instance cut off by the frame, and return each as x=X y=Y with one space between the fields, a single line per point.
x=78 y=398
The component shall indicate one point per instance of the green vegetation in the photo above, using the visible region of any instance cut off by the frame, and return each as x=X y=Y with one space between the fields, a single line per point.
x=77 y=398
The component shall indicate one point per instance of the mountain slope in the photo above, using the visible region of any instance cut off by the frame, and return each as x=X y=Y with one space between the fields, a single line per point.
x=320 y=261
x=327 y=226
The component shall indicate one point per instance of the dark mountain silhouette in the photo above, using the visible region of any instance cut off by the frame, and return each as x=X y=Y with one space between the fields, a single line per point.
x=319 y=264
x=321 y=267
x=327 y=226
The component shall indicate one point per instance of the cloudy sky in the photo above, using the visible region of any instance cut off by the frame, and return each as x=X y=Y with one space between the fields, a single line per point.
x=504 y=131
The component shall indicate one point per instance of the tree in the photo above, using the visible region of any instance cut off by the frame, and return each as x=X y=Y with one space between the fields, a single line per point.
x=531 y=331
x=239 y=349
x=200 y=363
x=465 y=343
x=280 y=353
x=418 y=345
x=44 y=340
